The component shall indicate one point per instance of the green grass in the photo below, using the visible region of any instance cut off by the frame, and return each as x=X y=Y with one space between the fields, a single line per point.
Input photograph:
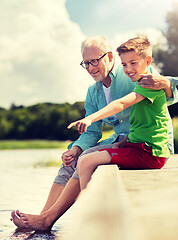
x=175 y=127
x=32 y=144
x=37 y=144
x=106 y=134
x=49 y=163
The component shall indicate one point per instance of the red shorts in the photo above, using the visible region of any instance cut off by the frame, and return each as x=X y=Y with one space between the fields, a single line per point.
x=135 y=156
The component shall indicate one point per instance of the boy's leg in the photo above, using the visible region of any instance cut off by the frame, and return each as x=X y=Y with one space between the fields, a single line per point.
x=88 y=163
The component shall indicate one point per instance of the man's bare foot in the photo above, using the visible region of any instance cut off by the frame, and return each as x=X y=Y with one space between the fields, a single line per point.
x=34 y=222
x=16 y=218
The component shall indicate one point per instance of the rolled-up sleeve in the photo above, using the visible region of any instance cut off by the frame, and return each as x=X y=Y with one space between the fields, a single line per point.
x=94 y=132
x=174 y=86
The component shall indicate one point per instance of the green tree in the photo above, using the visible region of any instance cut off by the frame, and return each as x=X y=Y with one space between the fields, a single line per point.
x=5 y=125
x=40 y=121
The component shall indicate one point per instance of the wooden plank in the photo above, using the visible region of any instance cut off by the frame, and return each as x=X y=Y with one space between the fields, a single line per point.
x=153 y=196
x=103 y=211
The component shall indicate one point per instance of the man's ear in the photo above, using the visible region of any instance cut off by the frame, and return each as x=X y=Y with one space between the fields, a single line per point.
x=149 y=60
x=110 y=55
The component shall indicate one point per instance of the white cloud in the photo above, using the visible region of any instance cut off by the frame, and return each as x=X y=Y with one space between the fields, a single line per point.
x=155 y=36
x=40 y=54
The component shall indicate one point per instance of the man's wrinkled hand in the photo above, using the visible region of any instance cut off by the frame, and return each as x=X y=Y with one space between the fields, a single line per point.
x=156 y=82
x=151 y=81
x=68 y=157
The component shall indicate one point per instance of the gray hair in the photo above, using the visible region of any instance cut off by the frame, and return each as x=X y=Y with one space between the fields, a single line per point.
x=97 y=41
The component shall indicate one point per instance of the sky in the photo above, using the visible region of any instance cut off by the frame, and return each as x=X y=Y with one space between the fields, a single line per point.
x=40 y=43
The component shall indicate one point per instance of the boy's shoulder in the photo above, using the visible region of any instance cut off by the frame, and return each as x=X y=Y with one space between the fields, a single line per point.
x=148 y=90
x=149 y=93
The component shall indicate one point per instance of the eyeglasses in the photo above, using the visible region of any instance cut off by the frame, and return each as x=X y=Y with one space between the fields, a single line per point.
x=93 y=62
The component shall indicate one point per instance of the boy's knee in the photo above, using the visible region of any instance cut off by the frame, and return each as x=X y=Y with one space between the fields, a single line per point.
x=82 y=164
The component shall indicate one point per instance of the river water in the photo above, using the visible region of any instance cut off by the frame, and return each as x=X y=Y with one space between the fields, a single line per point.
x=25 y=187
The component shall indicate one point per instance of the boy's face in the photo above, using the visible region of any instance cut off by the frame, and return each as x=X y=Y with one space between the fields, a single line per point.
x=134 y=65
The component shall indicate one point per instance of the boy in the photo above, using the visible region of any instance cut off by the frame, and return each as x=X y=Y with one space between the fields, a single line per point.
x=146 y=145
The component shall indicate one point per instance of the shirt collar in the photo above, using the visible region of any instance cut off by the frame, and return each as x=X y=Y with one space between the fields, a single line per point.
x=114 y=71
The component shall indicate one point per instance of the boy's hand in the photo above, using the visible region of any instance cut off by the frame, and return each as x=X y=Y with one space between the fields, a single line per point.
x=121 y=143
x=117 y=145
x=81 y=125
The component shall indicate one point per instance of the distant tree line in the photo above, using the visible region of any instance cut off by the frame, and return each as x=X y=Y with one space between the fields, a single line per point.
x=40 y=121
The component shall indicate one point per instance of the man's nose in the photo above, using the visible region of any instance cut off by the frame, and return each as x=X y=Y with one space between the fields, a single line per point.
x=90 y=66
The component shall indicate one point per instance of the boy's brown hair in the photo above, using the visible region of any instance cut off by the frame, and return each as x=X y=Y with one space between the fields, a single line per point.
x=140 y=44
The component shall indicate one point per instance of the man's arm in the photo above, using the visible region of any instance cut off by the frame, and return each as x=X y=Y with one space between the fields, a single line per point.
x=94 y=132
x=156 y=82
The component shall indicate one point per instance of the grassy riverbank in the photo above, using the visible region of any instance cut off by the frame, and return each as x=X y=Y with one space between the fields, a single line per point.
x=37 y=144
x=32 y=144
x=175 y=126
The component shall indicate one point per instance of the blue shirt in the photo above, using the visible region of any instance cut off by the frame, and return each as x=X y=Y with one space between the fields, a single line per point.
x=95 y=100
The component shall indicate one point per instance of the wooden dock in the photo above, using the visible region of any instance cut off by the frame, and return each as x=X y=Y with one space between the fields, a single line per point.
x=127 y=205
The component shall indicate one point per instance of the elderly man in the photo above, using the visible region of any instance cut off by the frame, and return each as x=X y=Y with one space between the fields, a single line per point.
x=110 y=83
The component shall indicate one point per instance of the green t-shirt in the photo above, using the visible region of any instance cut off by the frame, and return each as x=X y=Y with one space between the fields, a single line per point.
x=149 y=121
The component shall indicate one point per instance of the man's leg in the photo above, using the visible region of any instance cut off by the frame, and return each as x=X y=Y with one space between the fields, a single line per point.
x=45 y=220
x=54 y=194
x=64 y=174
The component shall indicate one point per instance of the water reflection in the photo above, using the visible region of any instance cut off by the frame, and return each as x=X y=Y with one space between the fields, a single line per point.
x=26 y=188
x=32 y=235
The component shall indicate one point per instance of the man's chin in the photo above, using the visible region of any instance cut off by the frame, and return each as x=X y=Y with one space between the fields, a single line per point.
x=97 y=79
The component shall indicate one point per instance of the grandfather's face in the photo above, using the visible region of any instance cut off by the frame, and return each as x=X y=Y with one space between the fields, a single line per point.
x=101 y=71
